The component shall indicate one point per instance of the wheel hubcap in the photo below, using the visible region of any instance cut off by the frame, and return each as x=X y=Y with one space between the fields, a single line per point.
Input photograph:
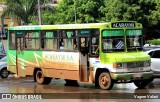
x=104 y=81
x=5 y=73
x=39 y=76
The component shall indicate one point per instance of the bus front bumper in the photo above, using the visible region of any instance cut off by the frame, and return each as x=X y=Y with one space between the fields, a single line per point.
x=132 y=76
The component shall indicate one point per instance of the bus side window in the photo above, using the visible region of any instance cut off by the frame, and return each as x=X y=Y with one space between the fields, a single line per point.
x=42 y=39
x=94 y=51
x=94 y=43
x=32 y=40
x=49 y=40
x=61 y=45
x=12 y=40
x=67 y=40
x=35 y=40
x=75 y=41
x=84 y=45
x=28 y=40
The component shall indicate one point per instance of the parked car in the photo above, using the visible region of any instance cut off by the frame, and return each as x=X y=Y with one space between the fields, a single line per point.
x=3 y=66
x=147 y=48
x=2 y=55
x=155 y=61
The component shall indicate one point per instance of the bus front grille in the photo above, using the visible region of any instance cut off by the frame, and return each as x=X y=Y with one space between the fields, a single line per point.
x=135 y=64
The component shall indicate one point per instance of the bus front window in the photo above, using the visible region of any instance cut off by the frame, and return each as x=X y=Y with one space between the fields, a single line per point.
x=134 y=40
x=113 y=40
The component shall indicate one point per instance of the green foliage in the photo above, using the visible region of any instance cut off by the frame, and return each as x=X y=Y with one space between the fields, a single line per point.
x=79 y=11
x=146 y=12
x=65 y=12
x=87 y=11
x=153 y=42
x=25 y=10
x=33 y=20
x=48 y=17
x=136 y=10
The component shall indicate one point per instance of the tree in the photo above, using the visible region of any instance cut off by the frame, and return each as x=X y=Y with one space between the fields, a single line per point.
x=2 y=1
x=155 y=20
x=48 y=16
x=143 y=11
x=86 y=11
x=48 y=12
x=21 y=9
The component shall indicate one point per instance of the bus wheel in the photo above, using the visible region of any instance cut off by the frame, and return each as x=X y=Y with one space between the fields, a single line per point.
x=151 y=79
x=41 y=79
x=141 y=83
x=4 y=73
x=105 y=81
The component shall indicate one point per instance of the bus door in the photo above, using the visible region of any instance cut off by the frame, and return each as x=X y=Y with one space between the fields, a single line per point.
x=19 y=53
x=84 y=66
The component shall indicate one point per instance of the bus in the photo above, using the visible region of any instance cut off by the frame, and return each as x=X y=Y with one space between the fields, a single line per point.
x=95 y=53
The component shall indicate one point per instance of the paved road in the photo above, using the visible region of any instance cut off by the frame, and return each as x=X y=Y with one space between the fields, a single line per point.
x=58 y=92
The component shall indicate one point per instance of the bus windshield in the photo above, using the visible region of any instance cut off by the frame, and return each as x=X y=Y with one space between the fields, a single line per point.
x=113 y=40
x=134 y=40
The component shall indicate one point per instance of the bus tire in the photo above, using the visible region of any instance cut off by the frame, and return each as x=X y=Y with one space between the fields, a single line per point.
x=41 y=79
x=96 y=84
x=151 y=79
x=4 y=73
x=105 y=81
x=141 y=83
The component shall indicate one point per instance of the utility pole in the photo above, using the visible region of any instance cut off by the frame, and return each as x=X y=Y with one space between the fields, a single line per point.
x=75 y=11
x=39 y=13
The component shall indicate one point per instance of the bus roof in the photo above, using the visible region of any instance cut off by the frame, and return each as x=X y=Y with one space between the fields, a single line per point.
x=116 y=25
x=61 y=26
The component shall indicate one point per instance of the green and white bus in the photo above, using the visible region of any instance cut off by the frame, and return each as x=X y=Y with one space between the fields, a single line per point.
x=100 y=53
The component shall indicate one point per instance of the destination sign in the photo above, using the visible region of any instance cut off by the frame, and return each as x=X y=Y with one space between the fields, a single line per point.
x=123 y=25
x=84 y=32
x=20 y=32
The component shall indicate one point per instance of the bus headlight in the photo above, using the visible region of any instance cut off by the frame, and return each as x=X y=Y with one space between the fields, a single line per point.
x=117 y=65
x=147 y=63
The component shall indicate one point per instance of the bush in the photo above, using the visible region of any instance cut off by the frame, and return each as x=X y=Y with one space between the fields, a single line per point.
x=153 y=42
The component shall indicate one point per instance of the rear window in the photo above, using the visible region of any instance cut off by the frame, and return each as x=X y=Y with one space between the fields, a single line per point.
x=155 y=54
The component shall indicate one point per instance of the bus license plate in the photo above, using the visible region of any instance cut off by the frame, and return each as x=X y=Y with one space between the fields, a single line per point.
x=137 y=75
x=135 y=69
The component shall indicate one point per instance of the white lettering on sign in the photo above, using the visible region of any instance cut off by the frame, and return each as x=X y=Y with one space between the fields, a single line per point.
x=68 y=57
x=123 y=25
